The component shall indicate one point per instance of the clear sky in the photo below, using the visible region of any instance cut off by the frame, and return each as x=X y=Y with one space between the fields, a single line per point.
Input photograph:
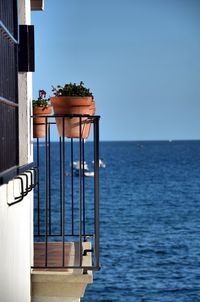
x=140 y=58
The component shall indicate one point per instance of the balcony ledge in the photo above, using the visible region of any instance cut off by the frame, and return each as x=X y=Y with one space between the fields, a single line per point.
x=37 y=5
x=61 y=284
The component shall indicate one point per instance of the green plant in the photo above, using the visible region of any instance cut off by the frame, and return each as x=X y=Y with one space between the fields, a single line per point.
x=41 y=101
x=72 y=90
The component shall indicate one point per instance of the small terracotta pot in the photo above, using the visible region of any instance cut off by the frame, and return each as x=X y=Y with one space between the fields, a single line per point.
x=86 y=130
x=39 y=122
x=71 y=105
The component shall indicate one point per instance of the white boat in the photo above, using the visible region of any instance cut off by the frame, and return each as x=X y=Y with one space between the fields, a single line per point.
x=76 y=165
x=101 y=163
x=87 y=172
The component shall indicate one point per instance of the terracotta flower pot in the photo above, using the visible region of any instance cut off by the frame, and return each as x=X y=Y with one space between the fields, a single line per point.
x=39 y=122
x=71 y=105
x=86 y=130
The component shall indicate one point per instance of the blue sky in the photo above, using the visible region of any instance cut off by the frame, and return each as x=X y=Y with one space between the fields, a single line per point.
x=140 y=58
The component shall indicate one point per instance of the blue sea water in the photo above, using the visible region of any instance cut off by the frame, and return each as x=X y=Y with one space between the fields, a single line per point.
x=150 y=222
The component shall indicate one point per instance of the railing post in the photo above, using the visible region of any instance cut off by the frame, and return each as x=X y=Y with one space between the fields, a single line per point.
x=72 y=186
x=63 y=190
x=96 y=190
x=46 y=195
x=38 y=186
x=49 y=180
x=80 y=191
x=84 y=214
x=60 y=161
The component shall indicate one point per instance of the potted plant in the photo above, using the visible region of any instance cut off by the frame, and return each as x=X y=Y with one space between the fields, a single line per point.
x=41 y=107
x=73 y=99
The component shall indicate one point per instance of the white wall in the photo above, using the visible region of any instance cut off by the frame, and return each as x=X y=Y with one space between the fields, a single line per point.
x=16 y=227
x=25 y=96
x=15 y=247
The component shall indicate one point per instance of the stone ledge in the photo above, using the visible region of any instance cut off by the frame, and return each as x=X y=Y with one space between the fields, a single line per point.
x=37 y=4
x=61 y=285
x=55 y=299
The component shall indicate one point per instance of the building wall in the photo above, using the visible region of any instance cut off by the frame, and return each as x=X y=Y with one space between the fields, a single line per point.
x=15 y=249
x=16 y=221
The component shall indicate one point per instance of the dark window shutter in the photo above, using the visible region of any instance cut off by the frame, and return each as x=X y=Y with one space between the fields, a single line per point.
x=26 y=58
x=8 y=85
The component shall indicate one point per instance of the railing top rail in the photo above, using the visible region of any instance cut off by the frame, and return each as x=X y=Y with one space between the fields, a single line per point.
x=68 y=115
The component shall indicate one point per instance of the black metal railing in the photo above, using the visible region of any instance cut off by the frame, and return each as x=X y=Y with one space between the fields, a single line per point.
x=8 y=85
x=8 y=137
x=66 y=209
x=8 y=15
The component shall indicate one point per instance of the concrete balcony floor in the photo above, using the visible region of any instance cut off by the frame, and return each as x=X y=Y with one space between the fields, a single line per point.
x=60 y=284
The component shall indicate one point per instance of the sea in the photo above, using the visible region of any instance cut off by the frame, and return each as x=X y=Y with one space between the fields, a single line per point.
x=149 y=223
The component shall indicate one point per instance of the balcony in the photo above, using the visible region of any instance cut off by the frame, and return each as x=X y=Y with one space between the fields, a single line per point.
x=66 y=211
